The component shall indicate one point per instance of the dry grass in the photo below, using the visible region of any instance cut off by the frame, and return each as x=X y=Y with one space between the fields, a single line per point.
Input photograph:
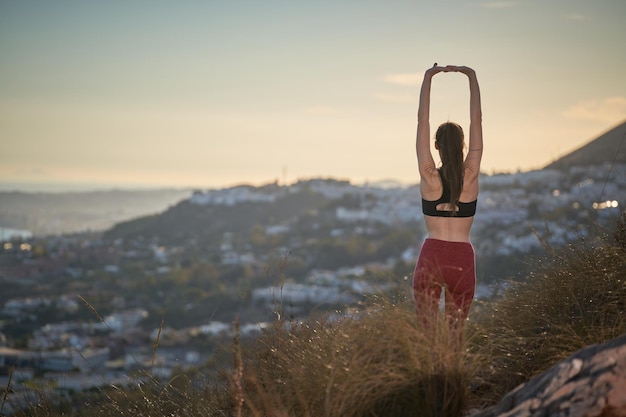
x=576 y=297
x=377 y=362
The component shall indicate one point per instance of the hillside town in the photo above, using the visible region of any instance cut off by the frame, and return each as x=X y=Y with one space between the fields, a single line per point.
x=84 y=310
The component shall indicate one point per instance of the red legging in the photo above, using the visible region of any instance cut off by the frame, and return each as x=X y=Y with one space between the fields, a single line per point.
x=449 y=265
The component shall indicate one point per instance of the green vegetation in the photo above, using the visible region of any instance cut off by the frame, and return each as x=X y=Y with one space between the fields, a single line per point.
x=380 y=361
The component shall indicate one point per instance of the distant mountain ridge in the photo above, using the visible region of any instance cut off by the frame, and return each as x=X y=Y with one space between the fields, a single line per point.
x=607 y=148
x=57 y=213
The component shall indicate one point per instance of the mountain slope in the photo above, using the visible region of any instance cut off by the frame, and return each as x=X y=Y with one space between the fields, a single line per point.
x=207 y=222
x=606 y=148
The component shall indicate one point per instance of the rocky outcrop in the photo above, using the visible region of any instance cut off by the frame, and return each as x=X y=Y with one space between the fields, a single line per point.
x=590 y=383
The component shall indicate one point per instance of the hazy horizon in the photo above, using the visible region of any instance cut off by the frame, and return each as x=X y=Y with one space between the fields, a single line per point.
x=78 y=186
x=216 y=94
x=82 y=186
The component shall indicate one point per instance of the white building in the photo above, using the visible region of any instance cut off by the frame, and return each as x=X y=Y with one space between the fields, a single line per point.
x=300 y=294
x=125 y=320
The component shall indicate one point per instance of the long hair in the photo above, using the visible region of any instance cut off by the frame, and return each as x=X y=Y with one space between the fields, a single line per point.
x=449 y=139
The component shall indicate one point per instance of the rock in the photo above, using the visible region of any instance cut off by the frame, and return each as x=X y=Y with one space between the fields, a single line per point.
x=590 y=383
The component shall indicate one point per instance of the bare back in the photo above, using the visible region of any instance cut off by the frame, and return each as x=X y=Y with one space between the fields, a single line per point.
x=456 y=229
x=453 y=229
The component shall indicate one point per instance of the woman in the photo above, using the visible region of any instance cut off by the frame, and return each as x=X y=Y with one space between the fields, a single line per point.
x=449 y=197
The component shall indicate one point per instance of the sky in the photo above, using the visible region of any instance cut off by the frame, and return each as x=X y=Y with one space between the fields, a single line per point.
x=211 y=94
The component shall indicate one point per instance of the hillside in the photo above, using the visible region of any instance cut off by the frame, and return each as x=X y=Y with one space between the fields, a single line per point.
x=206 y=223
x=606 y=148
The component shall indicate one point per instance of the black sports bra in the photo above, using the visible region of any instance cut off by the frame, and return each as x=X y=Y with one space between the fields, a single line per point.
x=429 y=208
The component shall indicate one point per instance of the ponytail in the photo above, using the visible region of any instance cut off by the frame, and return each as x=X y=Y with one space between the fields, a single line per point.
x=449 y=138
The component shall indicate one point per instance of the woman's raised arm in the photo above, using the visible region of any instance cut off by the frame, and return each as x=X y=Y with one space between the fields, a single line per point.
x=475 y=150
x=425 y=160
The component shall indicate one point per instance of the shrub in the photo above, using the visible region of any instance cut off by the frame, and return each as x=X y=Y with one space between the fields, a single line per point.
x=575 y=297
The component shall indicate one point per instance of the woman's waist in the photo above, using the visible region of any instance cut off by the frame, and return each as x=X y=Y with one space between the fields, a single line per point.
x=451 y=230
x=449 y=238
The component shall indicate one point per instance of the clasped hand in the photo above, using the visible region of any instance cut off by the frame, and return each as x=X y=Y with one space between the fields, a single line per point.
x=435 y=69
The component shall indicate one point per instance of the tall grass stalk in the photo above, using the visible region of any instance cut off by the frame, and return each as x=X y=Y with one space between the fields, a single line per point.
x=155 y=347
x=7 y=388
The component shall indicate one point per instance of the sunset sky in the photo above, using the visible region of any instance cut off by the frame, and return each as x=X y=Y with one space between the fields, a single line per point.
x=212 y=94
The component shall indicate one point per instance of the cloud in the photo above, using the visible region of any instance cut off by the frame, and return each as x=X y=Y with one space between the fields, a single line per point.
x=498 y=4
x=607 y=110
x=396 y=98
x=325 y=111
x=407 y=79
